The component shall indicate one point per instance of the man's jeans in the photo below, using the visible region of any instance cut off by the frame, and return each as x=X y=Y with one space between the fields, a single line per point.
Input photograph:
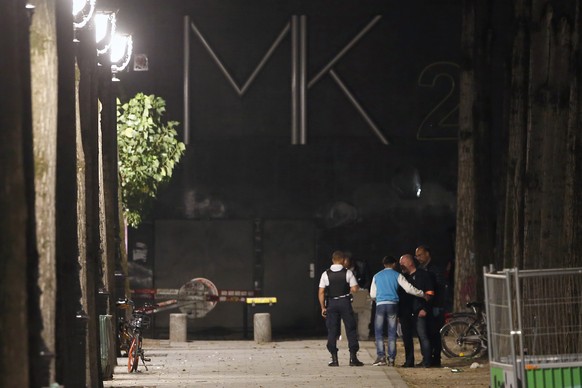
x=422 y=330
x=409 y=323
x=437 y=321
x=386 y=313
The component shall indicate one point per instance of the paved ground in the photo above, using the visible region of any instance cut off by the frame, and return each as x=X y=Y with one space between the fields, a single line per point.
x=301 y=363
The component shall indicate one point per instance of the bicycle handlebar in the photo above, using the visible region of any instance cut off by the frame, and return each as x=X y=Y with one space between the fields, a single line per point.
x=147 y=308
x=124 y=303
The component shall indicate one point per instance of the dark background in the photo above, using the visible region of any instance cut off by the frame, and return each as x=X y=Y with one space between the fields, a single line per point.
x=248 y=210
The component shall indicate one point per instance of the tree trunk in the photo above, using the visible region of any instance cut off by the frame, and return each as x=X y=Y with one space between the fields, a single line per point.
x=552 y=97
x=540 y=218
x=44 y=108
x=89 y=199
x=518 y=114
x=573 y=181
x=14 y=362
x=71 y=319
x=538 y=118
x=109 y=166
x=552 y=250
x=475 y=236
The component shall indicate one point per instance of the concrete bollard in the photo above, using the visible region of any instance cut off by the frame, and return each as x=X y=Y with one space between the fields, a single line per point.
x=362 y=306
x=178 y=327
x=262 y=327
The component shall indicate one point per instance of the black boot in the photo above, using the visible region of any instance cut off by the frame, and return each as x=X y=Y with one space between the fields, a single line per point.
x=354 y=360
x=334 y=361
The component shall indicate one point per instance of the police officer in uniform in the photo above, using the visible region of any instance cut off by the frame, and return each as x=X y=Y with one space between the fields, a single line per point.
x=335 y=288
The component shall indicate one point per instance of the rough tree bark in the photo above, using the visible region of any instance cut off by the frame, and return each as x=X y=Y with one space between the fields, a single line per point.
x=539 y=116
x=89 y=198
x=552 y=71
x=540 y=216
x=573 y=185
x=552 y=251
x=14 y=362
x=518 y=100
x=474 y=236
x=109 y=167
x=44 y=69
x=71 y=319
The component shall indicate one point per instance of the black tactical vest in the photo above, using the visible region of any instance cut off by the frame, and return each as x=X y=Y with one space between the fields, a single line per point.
x=337 y=283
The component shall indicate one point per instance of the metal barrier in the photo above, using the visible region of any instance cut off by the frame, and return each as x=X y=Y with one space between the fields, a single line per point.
x=534 y=320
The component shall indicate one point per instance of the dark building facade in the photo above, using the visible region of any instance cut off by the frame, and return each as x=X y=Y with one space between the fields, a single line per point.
x=310 y=126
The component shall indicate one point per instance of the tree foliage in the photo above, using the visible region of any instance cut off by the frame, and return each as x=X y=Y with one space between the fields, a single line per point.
x=148 y=152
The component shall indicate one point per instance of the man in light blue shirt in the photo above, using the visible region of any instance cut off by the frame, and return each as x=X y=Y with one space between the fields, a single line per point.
x=384 y=290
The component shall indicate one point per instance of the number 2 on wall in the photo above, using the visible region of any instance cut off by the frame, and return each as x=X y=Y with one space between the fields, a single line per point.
x=442 y=113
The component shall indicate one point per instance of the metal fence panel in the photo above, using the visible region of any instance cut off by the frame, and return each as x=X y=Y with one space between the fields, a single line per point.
x=534 y=320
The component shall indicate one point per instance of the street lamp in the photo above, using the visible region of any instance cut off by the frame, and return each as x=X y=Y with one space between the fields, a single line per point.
x=119 y=47
x=29 y=12
x=121 y=50
x=82 y=12
x=105 y=24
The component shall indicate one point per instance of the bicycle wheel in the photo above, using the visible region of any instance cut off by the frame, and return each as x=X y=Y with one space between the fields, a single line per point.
x=460 y=339
x=133 y=355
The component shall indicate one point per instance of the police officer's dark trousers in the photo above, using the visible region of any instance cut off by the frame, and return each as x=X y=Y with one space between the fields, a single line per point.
x=336 y=309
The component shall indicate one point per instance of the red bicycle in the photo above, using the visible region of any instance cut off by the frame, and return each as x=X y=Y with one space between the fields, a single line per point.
x=138 y=322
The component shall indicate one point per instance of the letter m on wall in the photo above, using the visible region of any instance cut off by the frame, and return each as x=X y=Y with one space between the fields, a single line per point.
x=254 y=81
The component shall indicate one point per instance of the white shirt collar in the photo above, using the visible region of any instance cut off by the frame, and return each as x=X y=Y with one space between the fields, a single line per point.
x=336 y=267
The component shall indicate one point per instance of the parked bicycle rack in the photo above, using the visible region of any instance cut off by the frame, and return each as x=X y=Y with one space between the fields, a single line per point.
x=535 y=327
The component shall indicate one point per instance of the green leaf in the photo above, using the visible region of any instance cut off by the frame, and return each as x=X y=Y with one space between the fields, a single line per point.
x=148 y=151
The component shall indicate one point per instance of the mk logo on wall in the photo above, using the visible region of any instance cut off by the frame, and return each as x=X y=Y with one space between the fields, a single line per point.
x=437 y=122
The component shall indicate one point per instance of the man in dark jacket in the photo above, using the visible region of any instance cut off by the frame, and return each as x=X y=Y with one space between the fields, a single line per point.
x=360 y=270
x=437 y=318
x=415 y=313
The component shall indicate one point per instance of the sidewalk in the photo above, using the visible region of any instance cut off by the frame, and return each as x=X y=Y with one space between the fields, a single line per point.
x=301 y=363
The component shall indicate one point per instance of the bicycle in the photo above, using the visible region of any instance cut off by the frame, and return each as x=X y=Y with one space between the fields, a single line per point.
x=465 y=334
x=123 y=329
x=129 y=333
x=138 y=322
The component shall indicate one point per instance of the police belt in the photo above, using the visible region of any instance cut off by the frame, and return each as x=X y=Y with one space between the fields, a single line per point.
x=340 y=297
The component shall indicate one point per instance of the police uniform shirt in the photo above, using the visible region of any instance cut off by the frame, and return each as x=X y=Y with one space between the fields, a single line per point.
x=350 y=278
